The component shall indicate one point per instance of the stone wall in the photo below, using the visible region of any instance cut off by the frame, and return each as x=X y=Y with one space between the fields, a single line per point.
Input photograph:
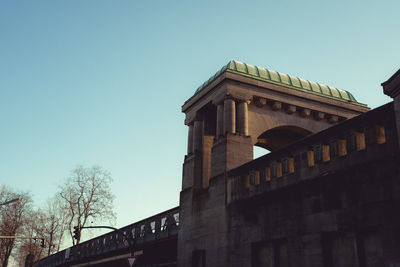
x=331 y=199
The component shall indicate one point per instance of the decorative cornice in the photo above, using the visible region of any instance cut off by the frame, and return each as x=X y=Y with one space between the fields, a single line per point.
x=294 y=109
x=392 y=86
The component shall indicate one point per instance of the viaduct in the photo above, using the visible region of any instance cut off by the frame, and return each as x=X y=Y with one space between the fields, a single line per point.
x=327 y=194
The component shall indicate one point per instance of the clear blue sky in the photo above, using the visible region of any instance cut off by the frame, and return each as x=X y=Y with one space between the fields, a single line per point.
x=102 y=82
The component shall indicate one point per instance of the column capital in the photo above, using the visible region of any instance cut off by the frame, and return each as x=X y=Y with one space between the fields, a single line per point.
x=247 y=101
x=221 y=100
x=228 y=96
x=238 y=99
x=190 y=119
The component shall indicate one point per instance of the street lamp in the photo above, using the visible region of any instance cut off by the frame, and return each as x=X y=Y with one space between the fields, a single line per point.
x=10 y=201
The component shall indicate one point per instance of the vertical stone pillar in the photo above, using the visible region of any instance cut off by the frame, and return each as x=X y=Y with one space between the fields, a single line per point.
x=197 y=135
x=190 y=140
x=229 y=116
x=220 y=120
x=231 y=150
x=392 y=88
x=243 y=118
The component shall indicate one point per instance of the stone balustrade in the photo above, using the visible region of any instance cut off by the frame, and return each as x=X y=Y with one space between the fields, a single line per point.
x=342 y=146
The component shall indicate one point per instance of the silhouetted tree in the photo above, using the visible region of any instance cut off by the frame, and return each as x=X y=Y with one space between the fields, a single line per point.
x=32 y=227
x=55 y=223
x=88 y=196
x=12 y=217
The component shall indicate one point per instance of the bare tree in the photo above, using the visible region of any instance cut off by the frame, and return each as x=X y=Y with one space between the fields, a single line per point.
x=33 y=227
x=12 y=218
x=88 y=196
x=55 y=223
x=45 y=226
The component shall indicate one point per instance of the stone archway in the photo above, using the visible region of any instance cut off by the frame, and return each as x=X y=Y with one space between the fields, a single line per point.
x=278 y=137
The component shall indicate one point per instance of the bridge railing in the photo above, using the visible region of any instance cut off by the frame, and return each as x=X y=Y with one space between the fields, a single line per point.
x=364 y=138
x=160 y=226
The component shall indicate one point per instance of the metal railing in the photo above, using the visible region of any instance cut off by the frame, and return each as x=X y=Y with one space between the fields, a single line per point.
x=161 y=226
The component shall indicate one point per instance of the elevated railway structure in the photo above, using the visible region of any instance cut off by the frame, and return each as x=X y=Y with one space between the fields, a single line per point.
x=152 y=241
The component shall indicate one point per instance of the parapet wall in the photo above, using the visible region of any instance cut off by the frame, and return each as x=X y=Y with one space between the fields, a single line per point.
x=329 y=199
x=362 y=139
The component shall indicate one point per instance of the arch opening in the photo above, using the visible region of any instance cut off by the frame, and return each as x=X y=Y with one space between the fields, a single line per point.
x=278 y=137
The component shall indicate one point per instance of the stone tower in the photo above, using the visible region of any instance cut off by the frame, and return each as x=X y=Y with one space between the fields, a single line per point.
x=242 y=106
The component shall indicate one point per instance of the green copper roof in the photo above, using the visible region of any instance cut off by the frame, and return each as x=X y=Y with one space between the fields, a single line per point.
x=281 y=79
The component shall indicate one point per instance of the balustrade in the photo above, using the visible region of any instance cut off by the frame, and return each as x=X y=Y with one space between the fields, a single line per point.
x=341 y=142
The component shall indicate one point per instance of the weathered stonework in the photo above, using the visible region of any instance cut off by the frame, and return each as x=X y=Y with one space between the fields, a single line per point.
x=329 y=199
x=237 y=105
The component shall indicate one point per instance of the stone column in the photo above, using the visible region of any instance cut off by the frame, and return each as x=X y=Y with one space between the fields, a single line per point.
x=197 y=135
x=220 y=120
x=190 y=139
x=243 y=118
x=229 y=116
